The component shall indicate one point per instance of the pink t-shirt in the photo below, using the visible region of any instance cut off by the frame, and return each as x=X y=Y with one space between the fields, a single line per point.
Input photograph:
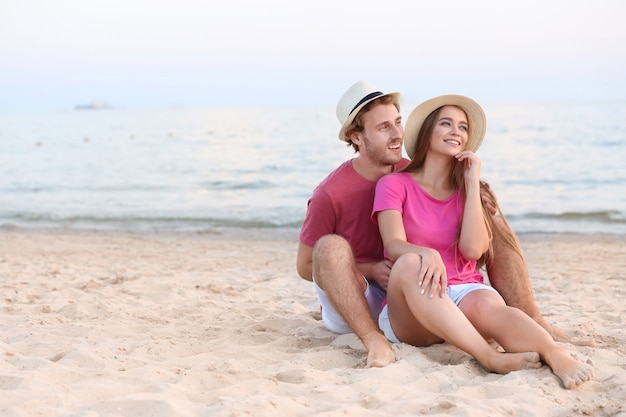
x=342 y=204
x=428 y=222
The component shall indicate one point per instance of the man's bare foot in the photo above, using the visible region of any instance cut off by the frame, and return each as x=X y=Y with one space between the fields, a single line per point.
x=503 y=363
x=571 y=372
x=560 y=336
x=379 y=352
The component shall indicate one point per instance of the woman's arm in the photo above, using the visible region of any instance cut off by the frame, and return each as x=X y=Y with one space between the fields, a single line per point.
x=474 y=236
x=394 y=241
x=393 y=234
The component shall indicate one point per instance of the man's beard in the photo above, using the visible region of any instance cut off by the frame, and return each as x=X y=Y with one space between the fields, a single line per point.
x=380 y=156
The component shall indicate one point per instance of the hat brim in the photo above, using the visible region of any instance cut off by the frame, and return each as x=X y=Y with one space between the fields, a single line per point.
x=475 y=114
x=355 y=112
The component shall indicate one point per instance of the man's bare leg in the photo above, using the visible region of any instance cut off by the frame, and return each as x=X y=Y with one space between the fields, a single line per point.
x=508 y=274
x=335 y=271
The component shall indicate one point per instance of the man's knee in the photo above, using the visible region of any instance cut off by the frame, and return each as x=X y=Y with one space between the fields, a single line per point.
x=331 y=254
x=334 y=263
x=330 y=247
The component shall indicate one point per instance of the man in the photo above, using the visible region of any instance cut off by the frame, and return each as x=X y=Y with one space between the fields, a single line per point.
x=340 y=249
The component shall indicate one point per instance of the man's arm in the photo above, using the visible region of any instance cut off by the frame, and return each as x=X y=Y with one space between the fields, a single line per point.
x=488 y=198
x=304 y=261
x=508 y=273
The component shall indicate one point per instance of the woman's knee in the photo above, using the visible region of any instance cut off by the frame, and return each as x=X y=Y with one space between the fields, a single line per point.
x=406 y=267
x=408 y=262
x=482 y=305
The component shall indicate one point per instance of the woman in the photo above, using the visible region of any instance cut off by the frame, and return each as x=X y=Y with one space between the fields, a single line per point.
x=435 y=229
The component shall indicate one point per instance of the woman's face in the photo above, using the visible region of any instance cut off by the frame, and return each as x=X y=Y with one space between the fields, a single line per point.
x=451 y=131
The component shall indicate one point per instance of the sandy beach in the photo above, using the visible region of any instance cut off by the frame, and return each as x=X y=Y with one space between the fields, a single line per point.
x=217 y=323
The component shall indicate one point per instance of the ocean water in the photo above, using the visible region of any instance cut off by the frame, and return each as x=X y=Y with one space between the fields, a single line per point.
x=556 y=168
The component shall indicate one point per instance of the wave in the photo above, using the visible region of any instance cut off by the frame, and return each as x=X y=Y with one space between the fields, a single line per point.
x=609 y=221
x=593 y=222
x=155 y=223
x=608 y=216
x=578 y=182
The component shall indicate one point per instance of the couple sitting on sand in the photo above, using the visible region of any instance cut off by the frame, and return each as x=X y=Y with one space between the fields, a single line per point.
x=420 y=284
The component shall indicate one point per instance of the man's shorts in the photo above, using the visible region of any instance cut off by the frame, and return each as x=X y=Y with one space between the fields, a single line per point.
x=331 y=318
x=455 y=292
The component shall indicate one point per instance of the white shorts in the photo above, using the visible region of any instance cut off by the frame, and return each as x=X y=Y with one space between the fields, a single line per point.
x=331 y=318
x=455 y=292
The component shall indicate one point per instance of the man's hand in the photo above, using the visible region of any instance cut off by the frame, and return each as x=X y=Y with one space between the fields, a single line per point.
x=488 y=198
x=378 y=272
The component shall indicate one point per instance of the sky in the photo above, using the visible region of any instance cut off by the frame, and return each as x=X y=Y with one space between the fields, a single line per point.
x=155 y=53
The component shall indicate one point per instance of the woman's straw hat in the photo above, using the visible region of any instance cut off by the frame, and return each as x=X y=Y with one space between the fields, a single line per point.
x=475 y=115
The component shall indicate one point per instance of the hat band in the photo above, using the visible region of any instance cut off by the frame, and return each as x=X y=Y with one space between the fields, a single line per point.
x=364 y=99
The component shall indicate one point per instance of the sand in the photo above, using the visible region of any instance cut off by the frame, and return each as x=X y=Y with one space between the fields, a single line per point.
x=218 y=323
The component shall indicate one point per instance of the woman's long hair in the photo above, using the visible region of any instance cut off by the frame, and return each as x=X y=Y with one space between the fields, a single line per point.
x=496 y=224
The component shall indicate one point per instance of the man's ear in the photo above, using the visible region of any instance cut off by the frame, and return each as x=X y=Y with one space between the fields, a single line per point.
x=356 y=137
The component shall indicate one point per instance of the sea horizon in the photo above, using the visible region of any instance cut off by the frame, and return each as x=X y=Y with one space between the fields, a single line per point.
x=555 y=167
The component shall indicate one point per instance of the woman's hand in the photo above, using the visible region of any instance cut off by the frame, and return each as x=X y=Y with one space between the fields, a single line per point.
x=472 y=167
x=432 y=276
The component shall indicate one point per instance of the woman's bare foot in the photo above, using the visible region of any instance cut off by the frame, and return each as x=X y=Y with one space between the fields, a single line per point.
x=503 y=363
x=571 y=372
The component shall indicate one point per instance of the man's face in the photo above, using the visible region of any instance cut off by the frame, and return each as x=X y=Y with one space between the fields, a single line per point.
x=380 y=142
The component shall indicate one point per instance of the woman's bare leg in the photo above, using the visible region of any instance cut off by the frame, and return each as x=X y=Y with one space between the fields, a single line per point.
x=421 y=321
x=517 y=332
x=508 y=274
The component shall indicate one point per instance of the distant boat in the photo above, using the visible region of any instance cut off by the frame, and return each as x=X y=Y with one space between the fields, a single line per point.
x=94 y=105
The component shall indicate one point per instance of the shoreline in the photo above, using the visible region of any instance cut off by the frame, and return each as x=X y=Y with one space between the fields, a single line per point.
x=217 y=322
x=265 y=233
